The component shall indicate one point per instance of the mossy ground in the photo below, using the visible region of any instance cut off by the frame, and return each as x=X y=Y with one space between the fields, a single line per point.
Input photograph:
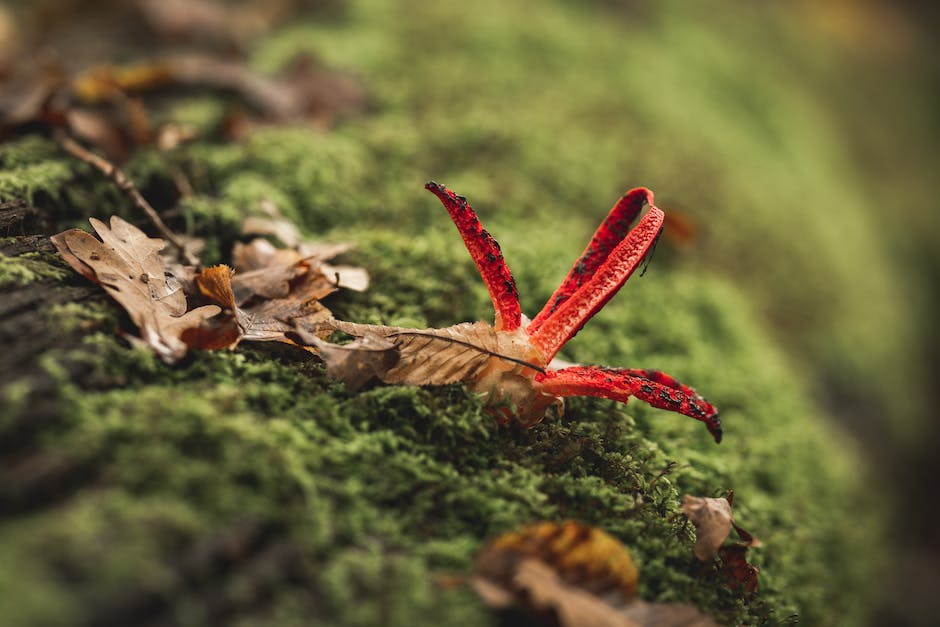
x=345 y=507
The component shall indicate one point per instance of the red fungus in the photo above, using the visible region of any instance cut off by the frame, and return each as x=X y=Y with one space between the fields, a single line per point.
x=612 y=255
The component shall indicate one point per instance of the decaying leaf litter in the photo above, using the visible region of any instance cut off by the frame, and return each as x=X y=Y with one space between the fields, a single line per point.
x=572 y=575
x=270 y=291
x=273 y=293
x=50 y=78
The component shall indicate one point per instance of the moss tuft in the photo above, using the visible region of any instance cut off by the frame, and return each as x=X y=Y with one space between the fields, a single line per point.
x=28 y=268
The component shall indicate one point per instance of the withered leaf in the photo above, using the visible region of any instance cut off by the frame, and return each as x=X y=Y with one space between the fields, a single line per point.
x=584 y=556
x=261 y=253
x=264 y=270
x=553 y=600
x=262 y=319
x=437 y=356
x=712 y=519
x=269 y=320
x=306 y=91
x=735 y=569
x=128 y=266
x=357 y=362
x=571 y=575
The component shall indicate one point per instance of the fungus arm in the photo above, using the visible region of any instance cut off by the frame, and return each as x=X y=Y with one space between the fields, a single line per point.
x=486 y=255
x=610 y=233
x=650 y=386
x=561 y=325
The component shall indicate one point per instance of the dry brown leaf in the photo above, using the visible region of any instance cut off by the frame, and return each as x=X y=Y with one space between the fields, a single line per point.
x=259 y=253
x=273 y=291
x=556 y=602
x=571 y=575
x=262 y=319
x=264 y=270
x=438 y=356
x=128 y=266
x=735 y=569
x=712 y=519
x=357 y=362
x=215 y=283
x=270 y=320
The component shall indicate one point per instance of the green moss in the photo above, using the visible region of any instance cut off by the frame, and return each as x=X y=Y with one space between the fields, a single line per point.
x=74 y=317
x=28 y=268
x=346 y=506
x=379 y=490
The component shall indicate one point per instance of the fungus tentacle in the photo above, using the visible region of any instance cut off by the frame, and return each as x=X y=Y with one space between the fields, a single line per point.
x=610 y=233
x=650 y=386
x=587 y=300
x=486 y=255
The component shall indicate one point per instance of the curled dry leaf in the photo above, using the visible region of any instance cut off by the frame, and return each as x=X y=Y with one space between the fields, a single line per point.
x=128 y=266
x=712 y=520
x=356 y=362
x=259 y=319
x=737 y=572
x=571 y=575
x=273 y=290
x=260 y=253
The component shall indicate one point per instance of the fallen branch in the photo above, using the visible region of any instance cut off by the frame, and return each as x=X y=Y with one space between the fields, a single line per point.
x=127 y=186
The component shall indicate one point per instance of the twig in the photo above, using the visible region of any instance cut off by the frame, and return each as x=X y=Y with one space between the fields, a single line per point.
x=127 y=186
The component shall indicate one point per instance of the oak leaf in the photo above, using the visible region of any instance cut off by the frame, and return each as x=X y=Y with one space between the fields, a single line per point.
x=128 y=266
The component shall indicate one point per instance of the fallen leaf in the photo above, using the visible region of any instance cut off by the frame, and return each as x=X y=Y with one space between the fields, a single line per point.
x=215 y=283
x=270 y=320
x=712 y=520
x=438 y=356
x=571 y=575
x=357 y=362
x=264 y=270
x=735 y=569
x=305 y=91
x=128 y=266
x=263 y=319
x=260 y=254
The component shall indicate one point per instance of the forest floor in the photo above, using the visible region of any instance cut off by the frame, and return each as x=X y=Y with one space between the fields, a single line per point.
x=247 y=487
